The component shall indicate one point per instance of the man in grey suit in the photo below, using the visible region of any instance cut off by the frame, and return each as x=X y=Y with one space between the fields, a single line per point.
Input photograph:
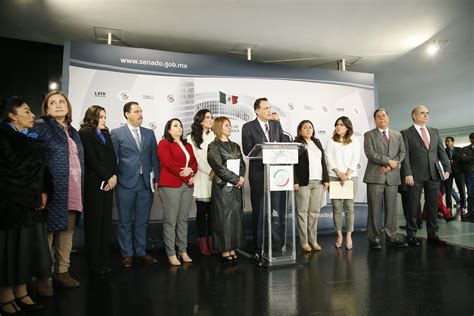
x=385 y=151
x=421 y=171
x=138 y=166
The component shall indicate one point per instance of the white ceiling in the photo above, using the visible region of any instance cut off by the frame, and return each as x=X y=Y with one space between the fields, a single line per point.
x=377 y=34
x=313 y=32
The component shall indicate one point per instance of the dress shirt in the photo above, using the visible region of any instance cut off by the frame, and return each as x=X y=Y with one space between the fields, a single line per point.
x=262 y=125
x=418 y=129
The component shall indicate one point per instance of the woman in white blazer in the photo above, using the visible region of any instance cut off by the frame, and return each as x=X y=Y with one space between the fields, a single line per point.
x=342 y=157
x=199 y=138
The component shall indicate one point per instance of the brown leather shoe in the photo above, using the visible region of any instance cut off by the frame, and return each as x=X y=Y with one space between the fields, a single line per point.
x=65 y=280
x=127 y=262
x=147 y=259
x=45 y=287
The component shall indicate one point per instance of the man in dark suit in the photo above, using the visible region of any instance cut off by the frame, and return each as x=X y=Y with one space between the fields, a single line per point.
x=138 y=166
x=457 y=175
x=421 y=172
x=260 y=130
x=467 y=162
x=385 y=151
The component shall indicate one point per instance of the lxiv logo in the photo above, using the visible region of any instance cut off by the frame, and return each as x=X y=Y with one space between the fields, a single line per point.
x=99 y=94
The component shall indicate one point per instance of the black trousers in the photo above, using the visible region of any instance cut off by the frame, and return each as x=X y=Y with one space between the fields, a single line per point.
x=430 y=188
x=98 y=228
x=203 y=218
x=406 y=207
x=448 y=184
x=278 y=218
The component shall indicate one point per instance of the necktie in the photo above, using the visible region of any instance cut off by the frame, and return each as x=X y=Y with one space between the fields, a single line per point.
x=136 y=136
x=267 y=131
x=425 y=138
x=385 y=138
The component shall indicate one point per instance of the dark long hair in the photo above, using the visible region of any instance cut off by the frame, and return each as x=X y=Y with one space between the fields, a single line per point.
x=10 y=105
x=299 y=138
x=167 y=135
x=91 y=118
x=350 y=130
x=196 y=127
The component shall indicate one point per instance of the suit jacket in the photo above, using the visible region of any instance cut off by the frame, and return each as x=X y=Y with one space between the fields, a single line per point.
x=378 y=155
x=420 y=162
x=129 y=157
x=454 y=160
x=172 y=159
x=301 y=169
x=252 y=134
x=99 y=157
x=467 y=160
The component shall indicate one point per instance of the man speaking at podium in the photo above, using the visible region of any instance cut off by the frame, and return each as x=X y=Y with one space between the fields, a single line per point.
x=258 y=131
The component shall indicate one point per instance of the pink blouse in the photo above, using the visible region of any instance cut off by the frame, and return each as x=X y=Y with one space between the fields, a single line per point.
x=74 y=192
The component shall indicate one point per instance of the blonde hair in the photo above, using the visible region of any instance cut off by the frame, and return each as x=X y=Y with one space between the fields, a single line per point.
x=217 y=126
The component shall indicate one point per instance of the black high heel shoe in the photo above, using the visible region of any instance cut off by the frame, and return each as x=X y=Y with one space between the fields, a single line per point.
x=35 y=307
x=17 y=312
x=227 y=259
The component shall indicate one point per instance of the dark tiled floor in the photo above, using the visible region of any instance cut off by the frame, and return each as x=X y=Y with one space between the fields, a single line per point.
x=428 y=280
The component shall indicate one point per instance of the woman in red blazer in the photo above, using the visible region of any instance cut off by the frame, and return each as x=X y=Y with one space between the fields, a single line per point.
x=177 y=169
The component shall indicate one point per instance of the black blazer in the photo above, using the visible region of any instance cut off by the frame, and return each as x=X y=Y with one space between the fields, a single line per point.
x=454 y=160
x=24 y=176
x=420 y=162
x=100 y=159
x=467 y=160
x=302 y=167
x=252 y=134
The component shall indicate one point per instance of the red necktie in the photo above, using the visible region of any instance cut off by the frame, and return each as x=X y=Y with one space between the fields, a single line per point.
x=425 y=138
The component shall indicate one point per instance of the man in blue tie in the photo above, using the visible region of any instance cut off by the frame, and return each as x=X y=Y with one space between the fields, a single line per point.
x=138 y=173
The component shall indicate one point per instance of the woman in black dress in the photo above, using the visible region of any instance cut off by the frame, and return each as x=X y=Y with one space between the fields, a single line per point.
x=226 y=196
x=25 y=185
x=99 y=181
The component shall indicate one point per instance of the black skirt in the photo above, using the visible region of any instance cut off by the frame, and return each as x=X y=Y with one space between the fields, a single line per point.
x=24 y=253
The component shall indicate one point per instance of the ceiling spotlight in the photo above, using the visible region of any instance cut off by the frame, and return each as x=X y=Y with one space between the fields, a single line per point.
x=433 y=48
x=53 y=85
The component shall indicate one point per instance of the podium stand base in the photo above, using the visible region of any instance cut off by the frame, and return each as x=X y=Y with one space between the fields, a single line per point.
x=278 y=263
